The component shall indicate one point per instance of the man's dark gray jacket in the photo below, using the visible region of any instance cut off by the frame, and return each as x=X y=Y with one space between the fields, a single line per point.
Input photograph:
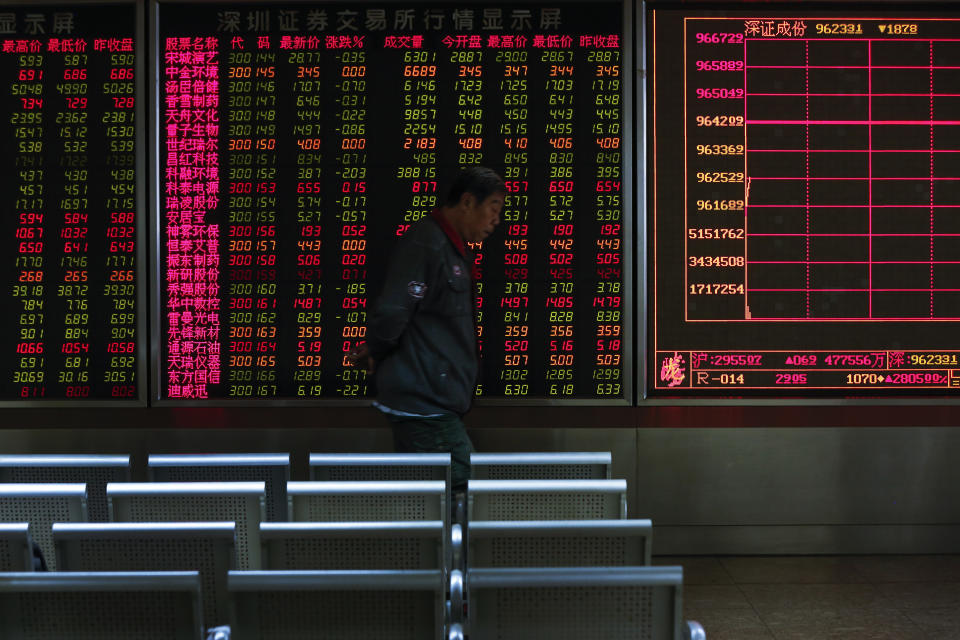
x=421 y=334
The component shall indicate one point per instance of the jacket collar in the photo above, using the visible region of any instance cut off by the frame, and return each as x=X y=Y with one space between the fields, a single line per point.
x=455 y=238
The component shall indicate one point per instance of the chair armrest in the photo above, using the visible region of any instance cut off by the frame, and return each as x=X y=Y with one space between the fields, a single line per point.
x=693 y=631
x=459 y=507
x=456 y=598
x=218 y=633
x=456 y=548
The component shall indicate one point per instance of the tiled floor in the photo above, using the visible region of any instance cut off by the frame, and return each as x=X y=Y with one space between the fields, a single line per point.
x=822 y=597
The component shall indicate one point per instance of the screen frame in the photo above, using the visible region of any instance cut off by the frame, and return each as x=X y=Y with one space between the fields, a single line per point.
x=140 y=179
x=632 y=139
x=647 y=396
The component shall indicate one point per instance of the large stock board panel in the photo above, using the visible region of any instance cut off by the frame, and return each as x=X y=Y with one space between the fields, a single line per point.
x=298 y=141
x=806 y=184
x=70 y=200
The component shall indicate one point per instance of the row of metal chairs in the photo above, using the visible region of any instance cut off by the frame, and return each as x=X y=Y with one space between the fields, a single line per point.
x=514 y=604
x=275 y=470
x=331 y=552
x=210 y=547
x=42 y=504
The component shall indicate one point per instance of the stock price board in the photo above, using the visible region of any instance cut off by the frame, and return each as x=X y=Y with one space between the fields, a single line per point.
x=806 y=190
x=70 y=229
x=298 y=142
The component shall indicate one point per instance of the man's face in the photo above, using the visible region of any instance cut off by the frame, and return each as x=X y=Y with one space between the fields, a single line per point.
x=481 y=217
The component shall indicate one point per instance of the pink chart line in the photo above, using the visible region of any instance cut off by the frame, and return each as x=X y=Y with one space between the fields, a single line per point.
x=860 y=235
x=870 y=173
x=924 y=178
x=844 y=66
x=924 y=290
x=866 y=123
x=925 y=262
x=853 y=95
x=847 y=319
x=923 y=151
x=852 y=206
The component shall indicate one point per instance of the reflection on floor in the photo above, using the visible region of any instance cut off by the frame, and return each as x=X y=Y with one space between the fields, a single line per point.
x=822 y=597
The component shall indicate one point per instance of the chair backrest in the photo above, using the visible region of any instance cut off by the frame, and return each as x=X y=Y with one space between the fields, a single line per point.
x=240 y=502
x=614 y=603
x=380 y=466
x=573 y=465
x=365 y=501
x=207 y=547
x=42 y=504
x=94 y=606
x=271 y=468
x=93 y=470
x=346 y=605
x=546 y=499
x=559 y=543
x=353 y=545
x=372 y=501
x=16 y=553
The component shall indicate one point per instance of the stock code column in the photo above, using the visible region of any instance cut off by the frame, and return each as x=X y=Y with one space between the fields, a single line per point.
x=300 y=142
x=70 y=330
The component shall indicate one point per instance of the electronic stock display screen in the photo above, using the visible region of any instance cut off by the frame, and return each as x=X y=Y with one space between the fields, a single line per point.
x=297 y=142
x=805 y=202
x=69 y=229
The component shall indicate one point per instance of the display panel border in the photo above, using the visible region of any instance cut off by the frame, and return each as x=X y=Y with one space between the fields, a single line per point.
x=140 y=137
x=632 y=140
x=646 y=395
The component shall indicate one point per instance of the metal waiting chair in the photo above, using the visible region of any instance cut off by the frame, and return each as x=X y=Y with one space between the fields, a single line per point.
x=42 y=504
x=559 y=543
x=369 y=501
x=365 y=501
x=207 y=547
x=93 y=470
x=614 y=603
x=239 y=502
x=353 y=545
x=346 y=605
x=546 y=499
x=575 y=465
x=271 y=468
x=382 y=466
x=94 y=606
x=16 y=547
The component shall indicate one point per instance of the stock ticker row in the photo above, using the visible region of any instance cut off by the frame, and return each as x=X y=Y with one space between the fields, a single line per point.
x=703 y=200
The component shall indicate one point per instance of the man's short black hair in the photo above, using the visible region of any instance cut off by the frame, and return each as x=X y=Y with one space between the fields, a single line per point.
x=481 y=182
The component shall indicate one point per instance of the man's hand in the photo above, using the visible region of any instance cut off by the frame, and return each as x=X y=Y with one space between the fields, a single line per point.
x=359 y=356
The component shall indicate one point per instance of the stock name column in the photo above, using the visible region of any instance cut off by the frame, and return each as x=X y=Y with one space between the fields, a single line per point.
x=72 y=230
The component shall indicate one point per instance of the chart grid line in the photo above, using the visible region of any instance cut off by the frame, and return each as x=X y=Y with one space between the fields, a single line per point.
x=806 y=134
x=870 y=176
x=932 y=180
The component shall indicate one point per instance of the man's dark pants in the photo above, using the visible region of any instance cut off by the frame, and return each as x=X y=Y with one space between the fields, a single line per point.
x=441 y=434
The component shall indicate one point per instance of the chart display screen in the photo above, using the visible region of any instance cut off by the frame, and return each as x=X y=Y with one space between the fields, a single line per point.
x=70 y=200
x=805 y=189
x=298 y=142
